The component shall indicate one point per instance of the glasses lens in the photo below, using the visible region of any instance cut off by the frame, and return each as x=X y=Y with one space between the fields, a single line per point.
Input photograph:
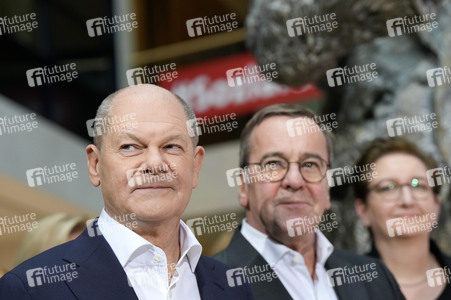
x=273 y=168
x=388 y=190
x=391 y=190
x=313 y=169
x=419 y=188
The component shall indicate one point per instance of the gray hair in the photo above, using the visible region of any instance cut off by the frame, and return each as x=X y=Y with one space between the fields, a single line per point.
x=290 y=110
x=104 y=110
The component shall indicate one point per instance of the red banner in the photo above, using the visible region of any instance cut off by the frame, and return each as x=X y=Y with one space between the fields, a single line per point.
x=230 y=84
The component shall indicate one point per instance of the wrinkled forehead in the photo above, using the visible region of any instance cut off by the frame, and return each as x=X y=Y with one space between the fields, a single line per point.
x=273 y=135
x=148 y=105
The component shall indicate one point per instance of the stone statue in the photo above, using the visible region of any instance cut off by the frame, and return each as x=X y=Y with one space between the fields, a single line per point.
x=310 y=40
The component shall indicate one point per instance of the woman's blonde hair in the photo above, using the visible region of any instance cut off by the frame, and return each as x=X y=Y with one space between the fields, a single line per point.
x=52 y=230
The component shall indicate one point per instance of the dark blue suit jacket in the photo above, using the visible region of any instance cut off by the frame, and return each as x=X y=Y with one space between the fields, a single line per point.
x=241 y=253
x=98 y=275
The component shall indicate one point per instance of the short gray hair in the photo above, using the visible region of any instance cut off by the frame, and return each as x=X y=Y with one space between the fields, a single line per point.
x=104 y=110
x=289 y=110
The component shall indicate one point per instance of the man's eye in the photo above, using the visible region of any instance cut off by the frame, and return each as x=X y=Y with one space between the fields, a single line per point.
x=128 y=147
x=274 y=163
x=173 y=146
x=310 y=165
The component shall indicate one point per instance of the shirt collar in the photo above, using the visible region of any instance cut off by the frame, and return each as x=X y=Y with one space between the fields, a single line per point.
x=127 y=244
x=190 y=246
x=273 y=251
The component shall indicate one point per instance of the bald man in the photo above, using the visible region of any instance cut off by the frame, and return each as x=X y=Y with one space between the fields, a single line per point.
x=138 y=248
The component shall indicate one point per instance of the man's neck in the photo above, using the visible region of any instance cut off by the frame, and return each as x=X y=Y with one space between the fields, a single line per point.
x=166 y=238
x=162 y=234
x=306 y=246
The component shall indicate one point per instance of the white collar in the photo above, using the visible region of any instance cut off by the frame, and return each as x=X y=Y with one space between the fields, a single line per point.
x=273 y=251
x=127 y=244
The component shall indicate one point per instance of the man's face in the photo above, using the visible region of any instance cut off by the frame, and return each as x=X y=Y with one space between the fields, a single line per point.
x=159 y=142
x=270 y=204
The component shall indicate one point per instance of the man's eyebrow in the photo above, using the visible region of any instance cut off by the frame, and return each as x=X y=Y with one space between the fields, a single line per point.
x=172 y=137
x=127 y=135
x=175 y=137
x=313 y=155
x=279 y=154
x=271 y=154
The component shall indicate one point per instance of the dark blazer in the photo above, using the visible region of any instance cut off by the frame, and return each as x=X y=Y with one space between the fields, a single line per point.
x=241 y=253
x=442 y=259
x=101 y=276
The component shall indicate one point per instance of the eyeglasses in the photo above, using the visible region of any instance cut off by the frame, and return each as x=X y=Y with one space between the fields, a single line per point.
x=391 y=191
x=275 y=168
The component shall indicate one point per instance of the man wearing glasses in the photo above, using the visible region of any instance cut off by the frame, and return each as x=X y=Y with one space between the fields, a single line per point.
x=284 y=155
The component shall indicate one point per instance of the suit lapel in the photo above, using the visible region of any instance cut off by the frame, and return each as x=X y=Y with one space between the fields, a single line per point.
x=100 y=275
x=265 y=290
x=344 y=291
x=209 y=281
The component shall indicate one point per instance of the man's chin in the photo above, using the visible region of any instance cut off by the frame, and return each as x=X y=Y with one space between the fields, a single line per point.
x=303 y=211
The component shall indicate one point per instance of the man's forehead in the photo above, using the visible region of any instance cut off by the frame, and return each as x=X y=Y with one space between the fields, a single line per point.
x=272 y=135
x=147 y=106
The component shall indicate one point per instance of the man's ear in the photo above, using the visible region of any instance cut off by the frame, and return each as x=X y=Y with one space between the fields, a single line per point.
x=362 y=211
x=199 y=154
x=243 y=198
x=328 y=204
x=93 y=156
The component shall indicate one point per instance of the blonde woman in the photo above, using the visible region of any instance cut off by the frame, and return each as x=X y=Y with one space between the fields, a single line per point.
x=52 y=230
x=400 y=209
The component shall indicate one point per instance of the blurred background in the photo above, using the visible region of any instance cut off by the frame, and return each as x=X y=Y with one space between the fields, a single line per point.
x=160 y=38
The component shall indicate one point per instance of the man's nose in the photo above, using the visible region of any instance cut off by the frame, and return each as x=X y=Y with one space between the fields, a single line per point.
x=293 y=179
x=155 y=162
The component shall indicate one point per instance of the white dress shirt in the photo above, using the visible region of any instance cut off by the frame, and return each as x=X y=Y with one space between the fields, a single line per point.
x=146 y=264
x=290 y=267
